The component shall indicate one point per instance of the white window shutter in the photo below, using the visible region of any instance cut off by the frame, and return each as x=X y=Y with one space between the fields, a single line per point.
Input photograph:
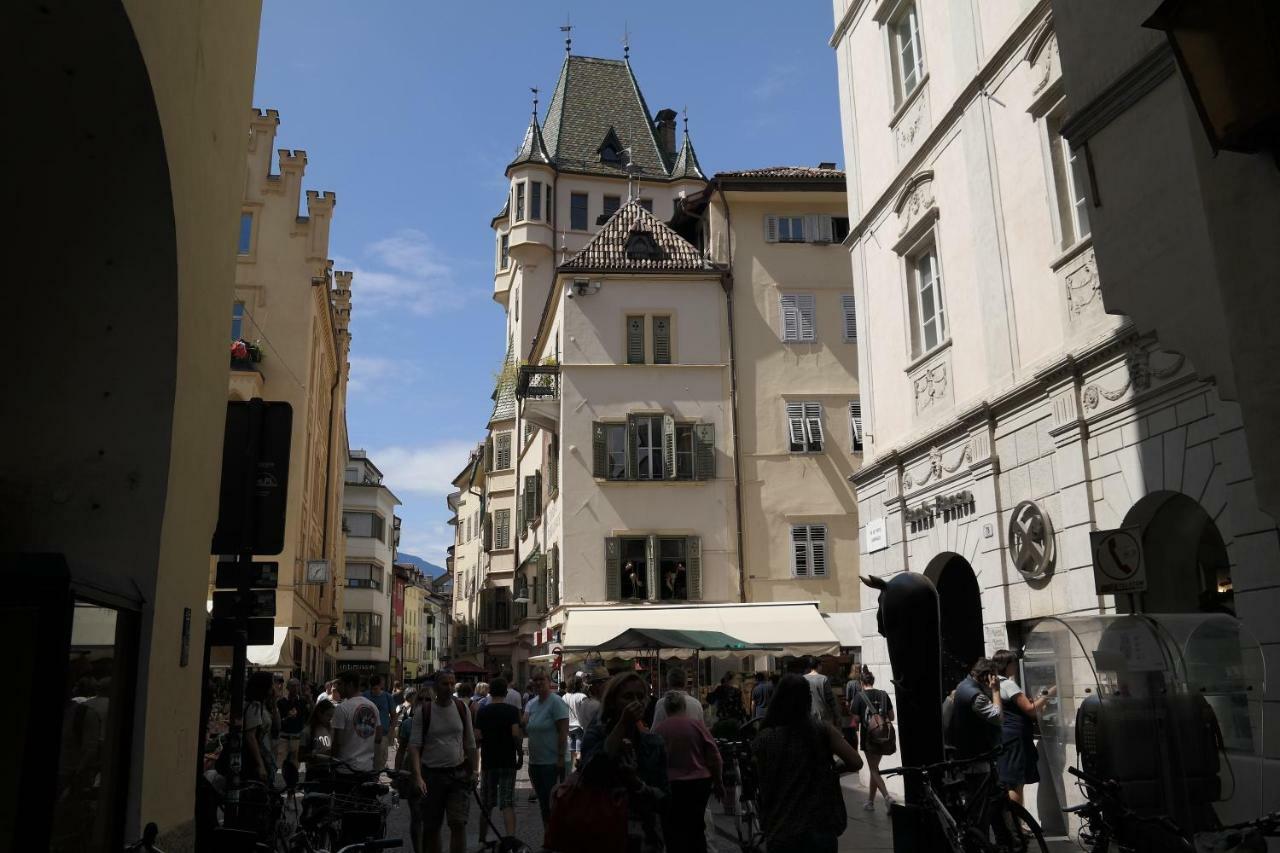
x=818 y=550
x=807 y=309
x=824 y=228
x=800 y=550
x=771 y=229
x=790 y=314
x=795 y=423
x=850 y=317
x=855 y=421
x=811 y=232
x=813 y=424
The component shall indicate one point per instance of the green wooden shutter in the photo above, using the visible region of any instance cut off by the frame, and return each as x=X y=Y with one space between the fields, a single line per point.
x=633 y=441
x=520 y=516
x=599 y=451
x=488 y=454
x=693 y=563
x=669 y=447
x=553 y=466
x=652 y=580
x=704 y=446
x=613 y=569
x=635 y=340
x=553 y=578
x=486 y=524
x=537 y=494
x=661 y=340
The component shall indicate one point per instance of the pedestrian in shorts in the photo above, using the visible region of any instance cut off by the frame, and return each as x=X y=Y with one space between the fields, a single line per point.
x=498 y=731
x=444 y=761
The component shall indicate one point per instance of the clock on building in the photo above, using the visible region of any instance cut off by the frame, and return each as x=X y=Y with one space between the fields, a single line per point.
x=317 y=571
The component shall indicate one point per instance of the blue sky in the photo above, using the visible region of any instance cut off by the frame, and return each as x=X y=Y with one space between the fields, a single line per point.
x=410 y=112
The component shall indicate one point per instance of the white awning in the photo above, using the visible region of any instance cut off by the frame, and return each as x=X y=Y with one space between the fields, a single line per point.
x=792 y=627
x=846 y=626
x=268 y=656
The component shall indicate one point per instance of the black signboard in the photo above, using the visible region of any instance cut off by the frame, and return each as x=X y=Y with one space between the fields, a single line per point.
x=222 y=632
x=262 y=454
x=257 y=602
x=260 y=575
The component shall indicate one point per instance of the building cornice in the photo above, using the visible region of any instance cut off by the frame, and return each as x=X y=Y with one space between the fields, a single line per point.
x=1125 y=91
x=975 y=88
x=846 y=22
x=1066 y=365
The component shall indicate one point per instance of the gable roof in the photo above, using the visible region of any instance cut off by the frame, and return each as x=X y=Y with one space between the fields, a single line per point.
x=533 y=149
x=591 y=96
x=607 y=251
x=686 y=165
x=775 y=172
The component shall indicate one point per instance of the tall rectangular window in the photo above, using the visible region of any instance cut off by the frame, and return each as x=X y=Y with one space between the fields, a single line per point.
x=535 y=199
x=362 y=629
x=519 y=201
x=611 y=205
x=790 y=229
x=616 y=451
x=855 y=425
x=661 y=340
x=930 y=326
x=635 y=340
x=1070 y=176
x=364 y=525
x=504 y=252
x=685 y=452
x=908 y=59
x=809 y=550
x=502 y=451
x=804 y=427
x=237 y=320
x=578 y=212
x=798 y=314
x=648 y=446
x=246 y=234
x=635 y=567
x=849 y=309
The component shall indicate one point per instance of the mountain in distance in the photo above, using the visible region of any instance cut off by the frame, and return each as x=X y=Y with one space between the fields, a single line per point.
x=431 y=570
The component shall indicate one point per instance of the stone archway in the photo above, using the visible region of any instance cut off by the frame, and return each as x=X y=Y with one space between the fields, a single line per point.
x=960 y=606
x=1188 y=569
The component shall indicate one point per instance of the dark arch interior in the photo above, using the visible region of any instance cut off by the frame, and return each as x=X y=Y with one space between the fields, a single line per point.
x=1188 y=569
x=960 y=604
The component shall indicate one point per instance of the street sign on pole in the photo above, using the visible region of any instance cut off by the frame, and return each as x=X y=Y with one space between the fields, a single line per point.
x=1118 y=563
x=254 y=484
x=259 y=631
x=231 y=604
x=260 y=575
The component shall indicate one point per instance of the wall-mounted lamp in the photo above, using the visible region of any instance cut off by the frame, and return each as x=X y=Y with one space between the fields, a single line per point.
x=582 y=287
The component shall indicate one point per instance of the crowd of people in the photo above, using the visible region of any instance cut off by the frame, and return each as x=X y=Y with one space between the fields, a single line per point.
x=656 y=747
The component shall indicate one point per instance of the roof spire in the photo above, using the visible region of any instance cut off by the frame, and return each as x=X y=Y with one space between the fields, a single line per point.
x=626 y=41
x=567 y=29
x=685 y=113
x=534 y=89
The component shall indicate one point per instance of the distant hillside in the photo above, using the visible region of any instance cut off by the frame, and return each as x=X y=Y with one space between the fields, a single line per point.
x=431 y=570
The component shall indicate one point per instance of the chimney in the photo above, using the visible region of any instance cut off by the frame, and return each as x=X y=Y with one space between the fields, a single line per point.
x=666 y=127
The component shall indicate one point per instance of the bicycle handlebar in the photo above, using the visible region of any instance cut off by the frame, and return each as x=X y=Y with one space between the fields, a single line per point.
x=373 y=845
x=1096 y=781
x=945 y=765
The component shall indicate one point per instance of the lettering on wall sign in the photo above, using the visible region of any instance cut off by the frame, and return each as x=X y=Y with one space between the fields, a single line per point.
x=949 y=507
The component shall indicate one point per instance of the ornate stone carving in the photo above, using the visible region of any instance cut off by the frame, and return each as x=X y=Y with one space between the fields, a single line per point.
x=1083 y=287
x=930 y=385
x=911 y=126
x=916 y=203
x=892 y=486
x=937 y=469
x=1044 y=64
x=1139 y=375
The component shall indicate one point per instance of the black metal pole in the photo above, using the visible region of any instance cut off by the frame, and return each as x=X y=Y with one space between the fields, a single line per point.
x=239 y=651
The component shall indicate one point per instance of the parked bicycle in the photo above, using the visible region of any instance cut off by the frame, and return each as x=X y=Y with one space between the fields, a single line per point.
x=975 y=817
x=742 y=787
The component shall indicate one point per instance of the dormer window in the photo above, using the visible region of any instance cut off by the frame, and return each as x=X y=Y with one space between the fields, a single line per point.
x=611 y=149
x=642 y=247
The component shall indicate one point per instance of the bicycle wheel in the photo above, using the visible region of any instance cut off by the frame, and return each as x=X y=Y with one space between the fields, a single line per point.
x=1010 y=829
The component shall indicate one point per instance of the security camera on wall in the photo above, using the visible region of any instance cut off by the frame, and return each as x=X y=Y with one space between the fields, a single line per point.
x=582 y=287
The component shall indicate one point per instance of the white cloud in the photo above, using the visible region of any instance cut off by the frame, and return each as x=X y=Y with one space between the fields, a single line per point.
x=778 y=79
x=422 y=470
x=403 y=272
x=371 y=374
x=427 y=541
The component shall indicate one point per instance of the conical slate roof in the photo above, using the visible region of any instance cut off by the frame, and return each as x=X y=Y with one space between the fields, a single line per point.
x=634 y=240
x=504 y=392
x=533 y=149
x=686 y=165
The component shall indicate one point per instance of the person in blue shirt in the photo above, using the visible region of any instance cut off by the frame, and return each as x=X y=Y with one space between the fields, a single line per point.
x=384 y=703
x=546 y=723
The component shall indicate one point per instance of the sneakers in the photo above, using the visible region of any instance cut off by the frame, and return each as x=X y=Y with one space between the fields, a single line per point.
x=869 y=806
x=888 y=804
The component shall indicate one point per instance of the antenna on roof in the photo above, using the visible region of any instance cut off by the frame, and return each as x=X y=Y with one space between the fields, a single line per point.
x=567 y=29
x=626 y=41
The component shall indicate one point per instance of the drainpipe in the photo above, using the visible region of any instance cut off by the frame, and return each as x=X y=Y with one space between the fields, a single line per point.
x=328 y=462
x=726 y=282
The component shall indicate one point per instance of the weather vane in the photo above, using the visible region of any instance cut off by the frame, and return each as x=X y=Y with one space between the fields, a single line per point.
x=626 y=40
x=567 y=29
x=685 y=113
x=534 y=89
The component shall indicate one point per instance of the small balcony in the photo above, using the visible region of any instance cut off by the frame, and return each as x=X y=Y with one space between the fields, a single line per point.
x=538 y=390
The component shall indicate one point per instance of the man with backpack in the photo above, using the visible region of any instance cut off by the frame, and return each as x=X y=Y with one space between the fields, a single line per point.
x=444 y=761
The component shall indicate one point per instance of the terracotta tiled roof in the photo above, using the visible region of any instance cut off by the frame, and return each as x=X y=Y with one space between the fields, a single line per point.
x=775 y=172
x=634 y=240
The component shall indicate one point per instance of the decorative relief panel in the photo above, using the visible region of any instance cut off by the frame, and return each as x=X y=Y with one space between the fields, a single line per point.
x=912 y=125
x=936 y=468
x=931 y=388
x=916 y=201
x=1142 y=367
x=1042 y=56
x=1081 y=286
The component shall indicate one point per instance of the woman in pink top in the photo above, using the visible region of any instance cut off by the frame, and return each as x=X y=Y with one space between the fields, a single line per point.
x=694 y=771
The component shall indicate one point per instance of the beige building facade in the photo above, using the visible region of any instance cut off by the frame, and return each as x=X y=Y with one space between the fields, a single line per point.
x=372 y=531
x=1008 y=413
x=290 y=333
x=122 y=399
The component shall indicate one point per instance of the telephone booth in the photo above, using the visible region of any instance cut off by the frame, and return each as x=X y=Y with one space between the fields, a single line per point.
x=1168 y=706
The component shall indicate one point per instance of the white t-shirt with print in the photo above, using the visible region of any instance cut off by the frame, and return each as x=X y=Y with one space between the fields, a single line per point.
x=573 y=700
x=355 y=722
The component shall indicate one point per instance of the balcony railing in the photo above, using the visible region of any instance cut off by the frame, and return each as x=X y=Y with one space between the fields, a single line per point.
x=538 y=381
